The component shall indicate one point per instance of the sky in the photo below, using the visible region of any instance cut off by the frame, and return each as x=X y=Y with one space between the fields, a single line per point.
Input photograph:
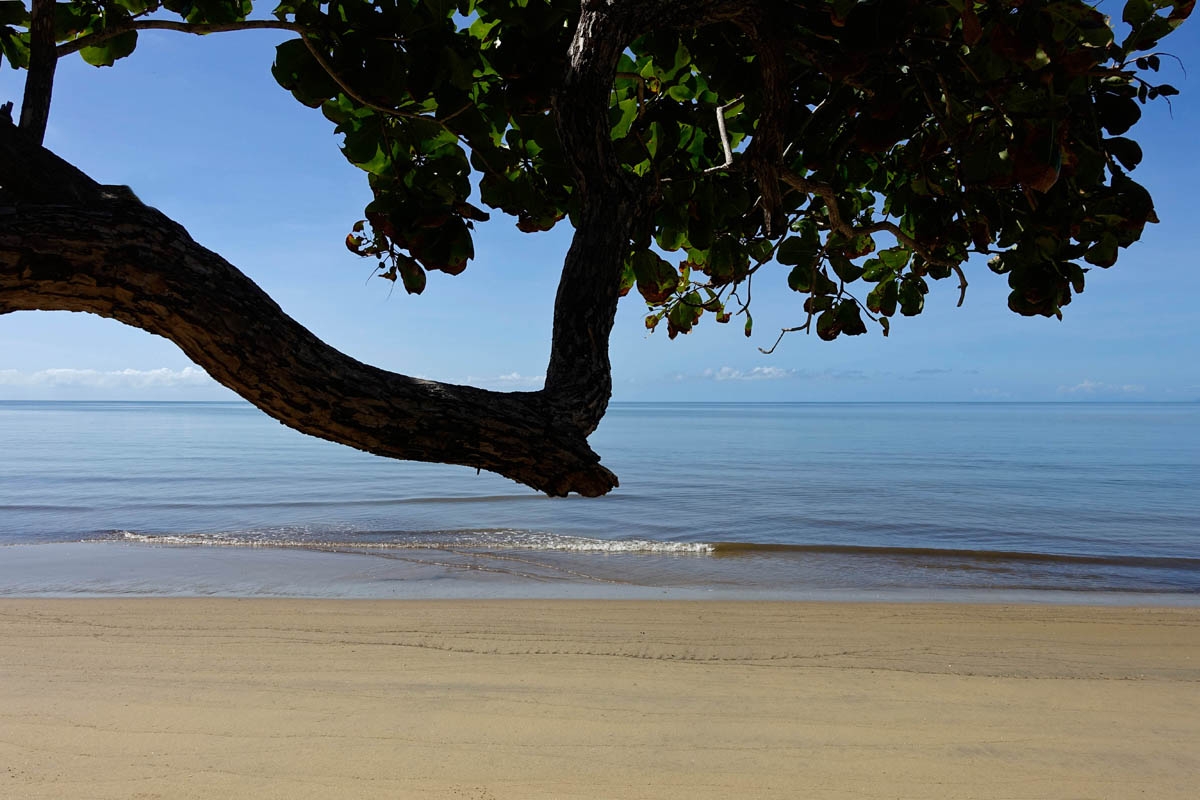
x=199 y=129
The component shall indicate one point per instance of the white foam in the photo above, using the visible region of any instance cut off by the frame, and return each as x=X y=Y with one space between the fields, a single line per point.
x=436 y=540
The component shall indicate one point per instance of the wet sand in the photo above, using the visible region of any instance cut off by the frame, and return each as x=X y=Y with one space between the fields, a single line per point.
x=200 y=698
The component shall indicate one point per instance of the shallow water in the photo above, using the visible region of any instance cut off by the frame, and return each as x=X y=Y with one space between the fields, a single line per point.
x=747 y=498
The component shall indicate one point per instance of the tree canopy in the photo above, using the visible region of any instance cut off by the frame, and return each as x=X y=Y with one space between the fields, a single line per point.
x=859 y=150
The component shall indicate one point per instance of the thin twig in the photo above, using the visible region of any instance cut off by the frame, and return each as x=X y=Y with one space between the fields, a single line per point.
x=724 y=136
x=784 y=332
x=347 y=88
x=350 y=92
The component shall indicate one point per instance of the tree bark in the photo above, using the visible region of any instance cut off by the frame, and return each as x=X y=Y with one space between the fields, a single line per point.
x=579 y=376
x=117 y=258
x=67 y=243
x=43 y=60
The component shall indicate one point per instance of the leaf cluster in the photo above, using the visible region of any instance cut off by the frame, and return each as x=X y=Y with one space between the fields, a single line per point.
x=866 y=148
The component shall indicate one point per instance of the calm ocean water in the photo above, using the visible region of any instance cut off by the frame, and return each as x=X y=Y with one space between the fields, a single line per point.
x=756 y=499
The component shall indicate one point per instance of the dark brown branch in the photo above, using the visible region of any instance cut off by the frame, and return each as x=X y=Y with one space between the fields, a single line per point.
x=199 y=29
x=117 y=258
x=579 y=375
x=125 y=261
x=39 y=82
x=74 y=246
x=35 y=175
x=765 y=152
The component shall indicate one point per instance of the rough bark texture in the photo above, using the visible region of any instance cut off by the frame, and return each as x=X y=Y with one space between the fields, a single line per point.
x=579 y=376
x=122 y=260
x=43 y=60
x=68 y=243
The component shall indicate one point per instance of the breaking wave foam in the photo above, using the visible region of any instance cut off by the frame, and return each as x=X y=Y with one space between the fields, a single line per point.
x=428 y=540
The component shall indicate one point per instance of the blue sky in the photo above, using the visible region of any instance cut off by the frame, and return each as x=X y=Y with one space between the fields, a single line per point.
x=199 y=129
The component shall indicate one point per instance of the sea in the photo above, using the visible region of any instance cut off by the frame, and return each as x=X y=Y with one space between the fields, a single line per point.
x=988 y=502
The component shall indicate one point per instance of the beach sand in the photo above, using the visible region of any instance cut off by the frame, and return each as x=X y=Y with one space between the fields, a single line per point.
x=200 y=698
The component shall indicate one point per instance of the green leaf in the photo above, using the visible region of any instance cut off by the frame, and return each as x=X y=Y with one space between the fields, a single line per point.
x=828 y=327
x=411 y=274
x=1127 y=151
x=860 y=246
x=912 y=296
x=1117 y=114
x=883 y=298
x=656 y=279
x=1104 y=252
x=684 y=314
x=797 y=251
x=297 y=71
x=874 y=270
x=800 y=279
x=1136 y=12
x=759 y=250
x=845 y=269
x=680 y=92
x=14 y=12
x=822 y=284
x=14 y=47
x=628 y=277
x=850 y=320
x=895 y=258
x=108 y=51
x=817 y=303
x=728 y=261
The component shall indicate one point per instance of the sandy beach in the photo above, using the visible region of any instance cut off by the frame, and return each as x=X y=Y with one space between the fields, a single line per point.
x=183 y=698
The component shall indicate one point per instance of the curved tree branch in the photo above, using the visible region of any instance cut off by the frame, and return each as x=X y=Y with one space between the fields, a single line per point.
x=579 y=376
x=67 y=243
x=117 y=258
x=199 y=29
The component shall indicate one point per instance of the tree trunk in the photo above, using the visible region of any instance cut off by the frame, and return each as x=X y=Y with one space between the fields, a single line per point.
x=112 y=256
x=43 y=60
x=68 y=243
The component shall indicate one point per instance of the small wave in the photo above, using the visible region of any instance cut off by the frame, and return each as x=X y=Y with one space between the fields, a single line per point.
x=434 y=540
x=525 y=540
x=944 y=554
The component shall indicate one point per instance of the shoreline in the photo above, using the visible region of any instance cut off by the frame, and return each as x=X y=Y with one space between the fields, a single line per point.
x=494 y=699
x=122 y=569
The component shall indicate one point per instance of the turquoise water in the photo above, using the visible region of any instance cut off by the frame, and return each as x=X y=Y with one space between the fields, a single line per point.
x=762 y=499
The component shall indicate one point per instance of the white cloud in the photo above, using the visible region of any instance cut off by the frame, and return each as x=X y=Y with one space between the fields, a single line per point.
x=779 y=373
x=508 y=382
x=755 y=374
x=1090 y=387
x=161 y=378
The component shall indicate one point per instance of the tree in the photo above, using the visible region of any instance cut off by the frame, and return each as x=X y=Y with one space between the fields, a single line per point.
x=868 y=147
